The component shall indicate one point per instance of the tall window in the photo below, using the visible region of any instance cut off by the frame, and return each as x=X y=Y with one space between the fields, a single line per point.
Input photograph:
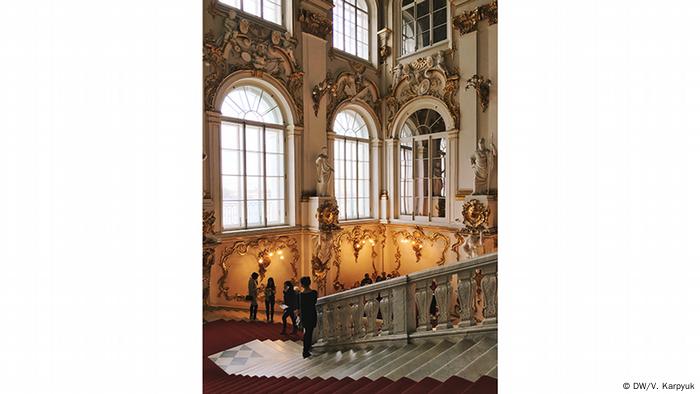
x=351 y=27
x=351 y=165
x=423 y=23
x=270 y=10
x=252 y=160
x=423 y=165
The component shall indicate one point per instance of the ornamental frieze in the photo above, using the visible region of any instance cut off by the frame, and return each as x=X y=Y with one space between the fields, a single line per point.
x=426 y=76
x=466 y=22
x=243 y=45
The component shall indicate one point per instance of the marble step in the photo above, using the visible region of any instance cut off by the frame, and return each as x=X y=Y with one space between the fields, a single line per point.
x=307 y=363
x=322 y=367
x=399 y=360
x=370 y=358
x=361 y=357
x=296 y=363
x=381 y=361
x=481 y=366
x=493 y=372
x=418 y=362
x=441 y=360
x=457 y=363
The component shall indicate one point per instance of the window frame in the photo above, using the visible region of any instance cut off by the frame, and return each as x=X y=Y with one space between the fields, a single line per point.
x=284 y=23
x=358 y=140
x=431 y=13
x=244 y=171
x=342 y=34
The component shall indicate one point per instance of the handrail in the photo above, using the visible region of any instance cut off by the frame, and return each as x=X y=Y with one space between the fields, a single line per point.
x=399 y=308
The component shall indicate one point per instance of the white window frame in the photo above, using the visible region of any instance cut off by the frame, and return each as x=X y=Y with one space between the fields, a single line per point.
x=365 y=141
x=340 y=26
x=283 y=9
x=431 y=14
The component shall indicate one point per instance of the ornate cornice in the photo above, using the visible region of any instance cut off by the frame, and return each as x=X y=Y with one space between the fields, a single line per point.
x=317 y=24
x=466 y=22
x=425 y=76
x=244 y=45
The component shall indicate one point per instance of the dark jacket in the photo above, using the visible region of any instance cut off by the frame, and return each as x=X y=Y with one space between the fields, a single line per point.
x=290 y=298
x=307 y=307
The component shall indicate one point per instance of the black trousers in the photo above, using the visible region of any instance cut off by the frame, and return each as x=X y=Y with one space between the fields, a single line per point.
x=269 y=308
x=308 y=335
x=288 y=313
x=253 y=311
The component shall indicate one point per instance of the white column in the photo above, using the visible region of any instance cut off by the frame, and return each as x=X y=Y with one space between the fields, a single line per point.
x=293 y=178
x=375 y=148
x=392 y=181
x=451 y=209
x=214 y=156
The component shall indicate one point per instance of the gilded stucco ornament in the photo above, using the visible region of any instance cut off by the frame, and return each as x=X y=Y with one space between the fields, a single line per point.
x=263 y=249
x=358 y=238
x=345 y=87
x=313 y=23
x=209 y=243
x=417 y=239
x=327 y=214
x=482 y=87
x=467 y=22
x=475 y=217
x=243 y=45
x=426 y=76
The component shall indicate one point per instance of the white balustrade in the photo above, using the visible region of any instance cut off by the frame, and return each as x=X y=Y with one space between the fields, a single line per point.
x=404 y=305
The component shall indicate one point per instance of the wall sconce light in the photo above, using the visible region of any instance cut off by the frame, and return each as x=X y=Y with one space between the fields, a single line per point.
x=482 y=87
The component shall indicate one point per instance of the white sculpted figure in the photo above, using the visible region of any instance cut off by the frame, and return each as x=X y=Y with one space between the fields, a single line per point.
x=324 y=173
x=482 y=164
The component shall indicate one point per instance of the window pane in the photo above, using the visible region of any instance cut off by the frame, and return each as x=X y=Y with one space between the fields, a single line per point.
x=438 y=4
x=232 y=214
x=422 y=9
x=274 y=164
x=361 y=4
x=423 y=31
x=254 y=186
x=275 y=212
x=364 y=189
x=275 y=188
x=253 y=139
x=272 y=11
x=440 y=34
x=440 y=17
x=231 y=135
x=251 y=103
x=274 y=141
x=252 y=7
x=341 y=208
x=231 y=162
x=364 y=208
x=340 y=188
x=255 y=213
x=254 y=164
x=232 y=187
x=438 y=207
x=350 y=188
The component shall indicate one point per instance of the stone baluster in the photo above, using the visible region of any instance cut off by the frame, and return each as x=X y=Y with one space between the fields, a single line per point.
x=356 y=311
x=330 y=327
x=489 y=284
x=443 y=295
x=424 y=296
x=385 y=308
x=319 y=332
x=399 y=308
x=466 y=297
x=371 y=312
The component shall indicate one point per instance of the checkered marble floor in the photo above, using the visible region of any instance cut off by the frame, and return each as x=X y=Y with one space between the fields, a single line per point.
x=254 y=353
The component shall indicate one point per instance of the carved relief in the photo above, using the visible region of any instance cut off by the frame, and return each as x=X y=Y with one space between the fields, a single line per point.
x=263 y=249
x=427 y=76
x=327 y=214
x=466 y=22
x=482 y=87
x=417 y=238
x=358 y=238
x=209 y=243
x=475 y=218
x=247 y=46
x=316 y=24
x=346 y=86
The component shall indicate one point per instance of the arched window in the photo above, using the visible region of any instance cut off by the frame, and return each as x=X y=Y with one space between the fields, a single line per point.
x=270 y=10
x=351 y=27
x=423 y=166
x=423 y=23
x=252 y=160
x=351 y=151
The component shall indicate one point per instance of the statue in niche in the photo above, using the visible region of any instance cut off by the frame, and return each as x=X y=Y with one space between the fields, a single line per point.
x=482 y=164
x=324 y=173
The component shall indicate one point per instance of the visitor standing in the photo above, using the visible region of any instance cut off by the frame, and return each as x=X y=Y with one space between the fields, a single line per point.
x=253 y=295
x=307 y=308
x=290 y=301
x=270 y=300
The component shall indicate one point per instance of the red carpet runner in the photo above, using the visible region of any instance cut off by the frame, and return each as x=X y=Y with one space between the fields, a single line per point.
x=221 y=335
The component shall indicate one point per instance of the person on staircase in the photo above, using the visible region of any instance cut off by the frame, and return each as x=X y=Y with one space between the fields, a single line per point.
x=290 y=301
x=307 y=309
x=270 y=300
x=253 y=295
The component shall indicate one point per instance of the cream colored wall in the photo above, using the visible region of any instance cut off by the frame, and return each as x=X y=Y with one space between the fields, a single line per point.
x=473 y=53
